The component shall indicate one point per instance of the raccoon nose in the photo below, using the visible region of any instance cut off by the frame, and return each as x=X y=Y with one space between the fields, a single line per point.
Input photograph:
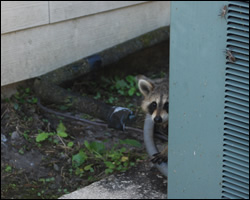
x=158 y=119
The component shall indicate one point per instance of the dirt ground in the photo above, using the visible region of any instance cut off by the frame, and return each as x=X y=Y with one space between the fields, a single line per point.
x=45 y=169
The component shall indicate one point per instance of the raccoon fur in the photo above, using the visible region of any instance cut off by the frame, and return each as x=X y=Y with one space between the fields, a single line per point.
x=155 y=103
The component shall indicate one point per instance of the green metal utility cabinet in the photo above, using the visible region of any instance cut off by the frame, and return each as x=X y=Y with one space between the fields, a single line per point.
x=209 y=100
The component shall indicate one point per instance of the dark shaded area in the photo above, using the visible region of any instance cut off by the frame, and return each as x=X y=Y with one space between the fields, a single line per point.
x=48 y=87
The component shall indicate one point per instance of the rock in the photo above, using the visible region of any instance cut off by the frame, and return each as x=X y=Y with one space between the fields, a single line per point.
x=15 y=136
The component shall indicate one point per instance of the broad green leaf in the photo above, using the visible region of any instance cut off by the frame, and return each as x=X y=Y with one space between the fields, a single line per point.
x=42 y=136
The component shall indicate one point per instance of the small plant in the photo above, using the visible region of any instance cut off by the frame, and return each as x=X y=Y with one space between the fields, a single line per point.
x=70 y=144
x=95 y=155
x=124 y=87
x=24 y=95
x=79 y=159
x=8 y=168
x=60 y=131
x=43 y=136
x=127 y=86
x=113 y=90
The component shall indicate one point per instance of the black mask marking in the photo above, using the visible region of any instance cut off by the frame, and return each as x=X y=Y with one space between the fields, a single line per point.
x=152 y=107
x=165 y=107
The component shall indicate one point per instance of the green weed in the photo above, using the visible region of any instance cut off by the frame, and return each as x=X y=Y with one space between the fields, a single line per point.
x=96 y=155
x=60 y=131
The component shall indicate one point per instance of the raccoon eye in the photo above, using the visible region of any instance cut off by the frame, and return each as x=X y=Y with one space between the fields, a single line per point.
x=154 y=104
x=165 y=107
x=152 y=107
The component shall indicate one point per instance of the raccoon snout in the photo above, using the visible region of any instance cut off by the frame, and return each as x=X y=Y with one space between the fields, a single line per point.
x=158 y=119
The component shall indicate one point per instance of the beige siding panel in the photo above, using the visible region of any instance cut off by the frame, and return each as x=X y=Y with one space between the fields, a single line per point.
x=16 y=15
x=63 y=10
x=33 y=52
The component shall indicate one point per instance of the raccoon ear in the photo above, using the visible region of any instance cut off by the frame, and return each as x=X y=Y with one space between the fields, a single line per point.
x=145 y=85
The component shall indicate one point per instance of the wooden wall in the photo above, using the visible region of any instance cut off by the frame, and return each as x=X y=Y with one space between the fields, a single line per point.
x=40 y=36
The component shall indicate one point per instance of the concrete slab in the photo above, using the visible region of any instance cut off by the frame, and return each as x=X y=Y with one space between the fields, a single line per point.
x=142 y=182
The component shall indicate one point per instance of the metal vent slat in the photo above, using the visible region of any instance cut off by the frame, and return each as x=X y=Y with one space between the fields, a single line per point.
x=234 y=126
x=238 y=98
x=238 y=41
x=243 y=154
x=233 y=194
x=238 y=67
x=237 y=140
x=236 y=123
x=235 y=168
x=235 y=177
x=226 y=195
x=240 y=56
x=237 y=84
x=235 y=172
x=238 y=183
x=236 y=78
x=237 y=112
x=239 y=9
x=239 y=161
x=235 y=144
x=237 y=87
x=242 y=63
x=238 y=73
x=237 y=129
x=236 y=104
x=238 y=26
x=236 y=190
x=237 y=32
x=241 y=51
x=236 y=134
x=236 y=161
x=239 y=3
x=238 y=15
x=238 y=21
x=236 y=117
x=236 y=38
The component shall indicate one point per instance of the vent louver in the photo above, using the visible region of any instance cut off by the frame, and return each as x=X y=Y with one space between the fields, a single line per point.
x=235 y=182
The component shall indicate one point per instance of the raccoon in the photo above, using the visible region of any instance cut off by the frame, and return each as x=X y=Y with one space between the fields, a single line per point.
x=155 y=103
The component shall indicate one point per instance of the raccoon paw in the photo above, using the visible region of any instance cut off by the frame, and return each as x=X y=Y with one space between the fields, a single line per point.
x=159 y=158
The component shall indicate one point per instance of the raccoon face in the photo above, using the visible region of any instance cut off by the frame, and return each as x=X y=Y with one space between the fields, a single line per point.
x=158 y=112
x=155 y=100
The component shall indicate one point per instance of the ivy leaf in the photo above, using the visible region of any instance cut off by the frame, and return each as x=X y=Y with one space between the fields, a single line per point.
x=61 y=130
x=61 y=127
x=89 y=168
x=70 y=144
x=109 y=164
x=62 y=134
x=79 y=159
x=130 y=79
x=42 y=136
x=131 y=91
